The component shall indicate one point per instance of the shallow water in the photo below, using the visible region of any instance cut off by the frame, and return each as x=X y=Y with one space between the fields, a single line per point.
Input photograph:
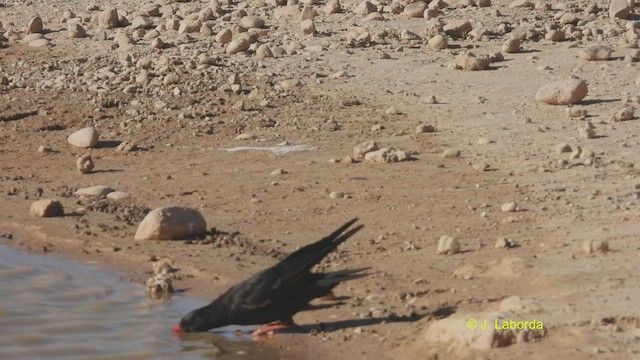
x=55 y=309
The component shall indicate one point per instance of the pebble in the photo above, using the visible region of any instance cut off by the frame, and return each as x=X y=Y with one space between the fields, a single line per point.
x=431 y=99
x=159 y=285
x=84 y=138
x=252 y=22
x=35 y=25
x=563 y=148
x=39 y=43
x=511 y=46
x=118 y=195
x=415 y=9
x=307 y=26
x=391 y=111
x=484 y=141
x=575 y=153
x=386 y=155
x=457 y=28
x=448 y=245
x=170 y=223
x=332 y=7
x=224 y=36
x=450 y=153
x=157 y=43
x=46 y=208
x=619 y=9
x=237 y=45
x=504 y=243
x=31 y=37
x=564 y=92
x=472 y=62
x=264 y=51
x=97 y=190
x=595 y=53
x=509 y=207
x=360 y=150
x=44 y=149
x=108 y=18
x=593 y=246
x=424 y=128
x=555 y=35
x=587 y=131
x=85 y=164
x=365 y=8
x=438 y=42
x=626 y=113
x=76 y=31
x=573 y=112
x=290 y=84
x=336 y=195
x=277 y=172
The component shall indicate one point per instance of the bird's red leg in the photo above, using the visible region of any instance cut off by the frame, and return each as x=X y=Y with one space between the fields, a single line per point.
x=268 y=329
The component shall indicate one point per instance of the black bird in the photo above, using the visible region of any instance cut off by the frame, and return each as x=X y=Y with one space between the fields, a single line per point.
x=275 y=294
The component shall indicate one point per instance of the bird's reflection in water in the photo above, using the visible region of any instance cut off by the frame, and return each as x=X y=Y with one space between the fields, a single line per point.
x=231 y=342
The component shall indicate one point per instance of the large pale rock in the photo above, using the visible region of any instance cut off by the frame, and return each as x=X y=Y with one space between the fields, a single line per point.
x=562 y=92
x=85 y=138
x=171 y=222
x=108 y=18
x=619 y=9
x=46 y=208
x=595 y=52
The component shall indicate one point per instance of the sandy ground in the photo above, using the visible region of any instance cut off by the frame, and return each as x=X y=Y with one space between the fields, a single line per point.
x=586 y=301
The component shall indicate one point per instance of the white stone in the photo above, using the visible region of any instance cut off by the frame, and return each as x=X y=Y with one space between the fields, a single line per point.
x=564 y=92
x=84 y=138
x=170 y=223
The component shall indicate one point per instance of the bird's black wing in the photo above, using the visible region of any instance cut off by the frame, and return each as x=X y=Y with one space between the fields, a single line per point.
x=273 y=284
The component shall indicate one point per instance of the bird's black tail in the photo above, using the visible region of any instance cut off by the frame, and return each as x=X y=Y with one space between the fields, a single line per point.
x=305 y=258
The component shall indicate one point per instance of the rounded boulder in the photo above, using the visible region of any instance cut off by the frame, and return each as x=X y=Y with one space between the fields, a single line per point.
x=171 y=223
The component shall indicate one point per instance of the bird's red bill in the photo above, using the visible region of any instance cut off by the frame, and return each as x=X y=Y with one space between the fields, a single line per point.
x=177 y=329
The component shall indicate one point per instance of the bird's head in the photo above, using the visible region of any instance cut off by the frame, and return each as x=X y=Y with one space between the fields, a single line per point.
x=200 y=320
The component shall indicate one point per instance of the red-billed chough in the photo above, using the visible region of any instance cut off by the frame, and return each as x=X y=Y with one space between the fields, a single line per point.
x=275 y=294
